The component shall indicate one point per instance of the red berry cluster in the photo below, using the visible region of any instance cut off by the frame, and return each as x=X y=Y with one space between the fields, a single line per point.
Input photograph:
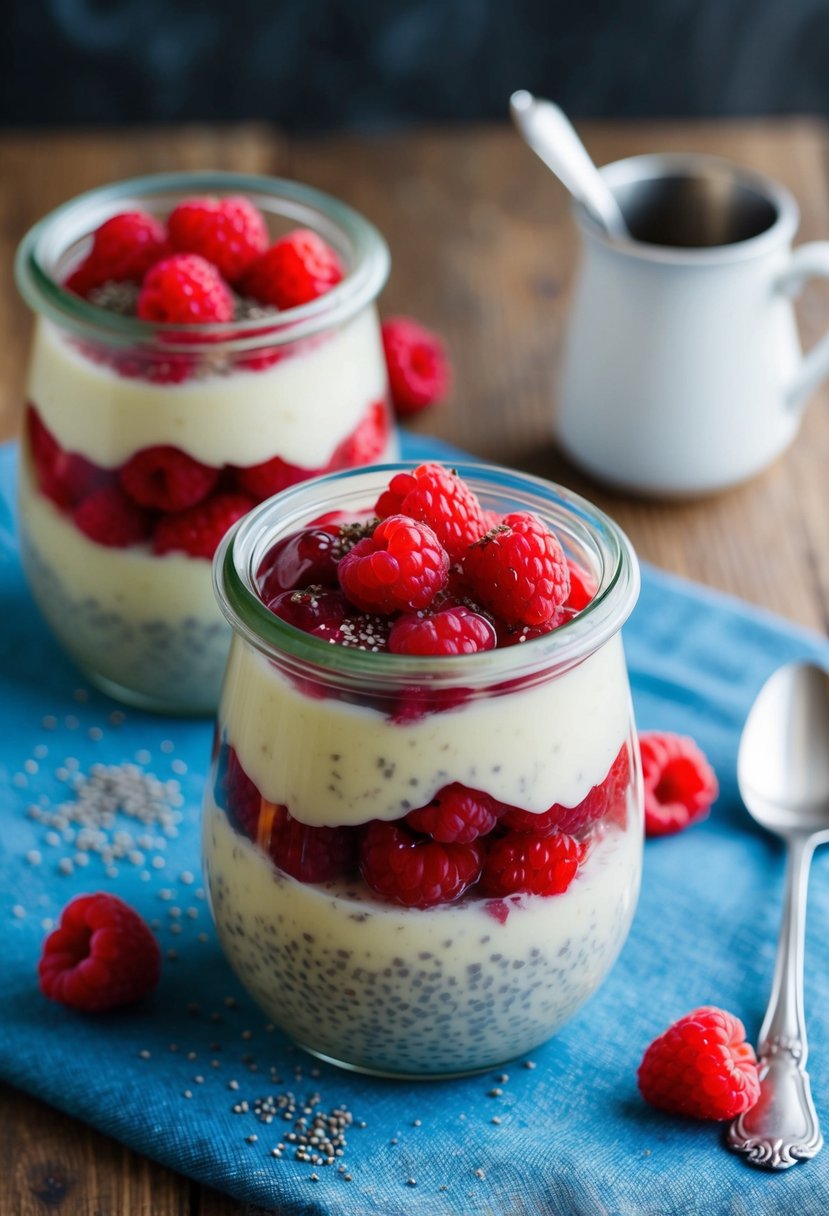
x=167 y=499
x=463 y=841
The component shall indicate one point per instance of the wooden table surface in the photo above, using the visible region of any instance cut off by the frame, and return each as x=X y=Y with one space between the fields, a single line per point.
x=483 y=250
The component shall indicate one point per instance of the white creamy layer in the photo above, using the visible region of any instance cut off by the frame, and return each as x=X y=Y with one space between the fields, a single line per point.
x=571 y=938
x=134 y=582
x=332 y=763
x=300 y=409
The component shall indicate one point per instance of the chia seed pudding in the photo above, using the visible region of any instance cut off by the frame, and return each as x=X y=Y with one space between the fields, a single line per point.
x=423 y=885
x=146 y=439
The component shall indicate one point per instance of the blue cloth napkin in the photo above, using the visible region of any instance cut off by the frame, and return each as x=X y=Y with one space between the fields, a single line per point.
x=567 y=1137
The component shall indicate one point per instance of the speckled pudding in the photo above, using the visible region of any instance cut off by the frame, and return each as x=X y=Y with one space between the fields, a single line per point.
x=305 y=388
x=546 y=725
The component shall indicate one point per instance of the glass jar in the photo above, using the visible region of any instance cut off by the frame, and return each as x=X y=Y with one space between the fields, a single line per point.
x=336 y=738
x=261 y=402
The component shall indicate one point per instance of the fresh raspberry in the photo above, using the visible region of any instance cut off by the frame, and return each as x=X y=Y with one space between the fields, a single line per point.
x=701 y=1066
x=199 y=530
x=420 y=373
x=235 y=793
x=456 y=630
x=229 y=232
x=109 y=517
x=400 y=567
x=309 y=854
x=517 y=635
x=437 y=497
x=456 y=814
x=123 y=250
x=184 y=290
x=582 y=589
x=600 y=801
x=64 y=477
x=680 y=784
x=299 y=268
x=414 y=872
x=101 y=956
x=536 y=865
x=167 y=479
x=518 y=571
x=264 y=480
x=303 y=559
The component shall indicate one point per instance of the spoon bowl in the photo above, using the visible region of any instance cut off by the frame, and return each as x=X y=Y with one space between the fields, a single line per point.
x=783 y=775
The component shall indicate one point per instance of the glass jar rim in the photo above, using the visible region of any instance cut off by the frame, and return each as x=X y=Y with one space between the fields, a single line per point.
x=68 y=223
x=240 y=553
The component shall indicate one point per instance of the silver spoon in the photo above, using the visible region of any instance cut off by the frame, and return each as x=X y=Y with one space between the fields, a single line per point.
x=551 y=135
x=783 y=774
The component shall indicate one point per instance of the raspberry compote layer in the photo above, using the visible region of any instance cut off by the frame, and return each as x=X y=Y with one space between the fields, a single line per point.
x=422 y=862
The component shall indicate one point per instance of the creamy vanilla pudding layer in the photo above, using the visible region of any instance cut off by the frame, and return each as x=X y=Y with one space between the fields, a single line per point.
x=331 y=762
x=299 y=409
x=437 y=990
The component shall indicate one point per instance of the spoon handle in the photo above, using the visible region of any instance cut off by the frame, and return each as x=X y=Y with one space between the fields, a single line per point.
x=783 y=1128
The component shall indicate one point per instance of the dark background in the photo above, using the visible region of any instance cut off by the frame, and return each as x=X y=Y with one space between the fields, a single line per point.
x=369 y=64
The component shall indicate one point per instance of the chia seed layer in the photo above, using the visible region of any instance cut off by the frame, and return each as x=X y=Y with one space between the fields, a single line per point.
x=442 y=991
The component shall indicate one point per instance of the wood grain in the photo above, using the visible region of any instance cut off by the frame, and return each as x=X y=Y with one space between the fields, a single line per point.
x=484 y=250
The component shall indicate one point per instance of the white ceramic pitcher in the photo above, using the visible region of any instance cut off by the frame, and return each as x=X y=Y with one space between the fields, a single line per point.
x=683 y=371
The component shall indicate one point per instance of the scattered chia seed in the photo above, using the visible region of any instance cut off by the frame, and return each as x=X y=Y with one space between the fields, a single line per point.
x=529 y=1064
x=34 y=857
x=188 y=1093
x=19 y=911
x=495 y=1093
x=144 y=1055
x=480 y=1174
x=496 y=1119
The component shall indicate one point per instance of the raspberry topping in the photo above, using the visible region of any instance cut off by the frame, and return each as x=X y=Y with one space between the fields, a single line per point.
x=229 y=232
x=305 y=558
x=531 y=864
x=309 y=854
x=236 y=794
x=198 y=531
x=400 y=567
x=314 y=609
x=456 y=630
x=101 y=956
x=184 y=290
x=439 y=498
x=518 y=571
x=680 y=784
x=123 y=250
x=414 y=872
x=167 y=479
x=299 y=268
x=64 y=477
x=420 y=373
x=701 y=1066
x=456 y=814
x=109 y=517
x=582 y=589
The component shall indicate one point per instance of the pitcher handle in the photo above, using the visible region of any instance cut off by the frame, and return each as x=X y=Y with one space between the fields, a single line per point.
x=810 y=261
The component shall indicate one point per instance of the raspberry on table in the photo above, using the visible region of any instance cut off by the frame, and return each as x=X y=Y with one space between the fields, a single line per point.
x=436 y=496
x=524 y=863
x=416 y=872
x=66 y=478
x=518 y=571
x=420 y=373
x=228 y=232
x=453 y=630
x=198 y=531
x=167 y=479
x=184 y=290
x=123 y=250
x=309 y=854
x=701 y=1066
x=110 y=517
x=680 y=785
x=297 y=269
x=456 y=814
x=399 y=568
x=101 y=956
